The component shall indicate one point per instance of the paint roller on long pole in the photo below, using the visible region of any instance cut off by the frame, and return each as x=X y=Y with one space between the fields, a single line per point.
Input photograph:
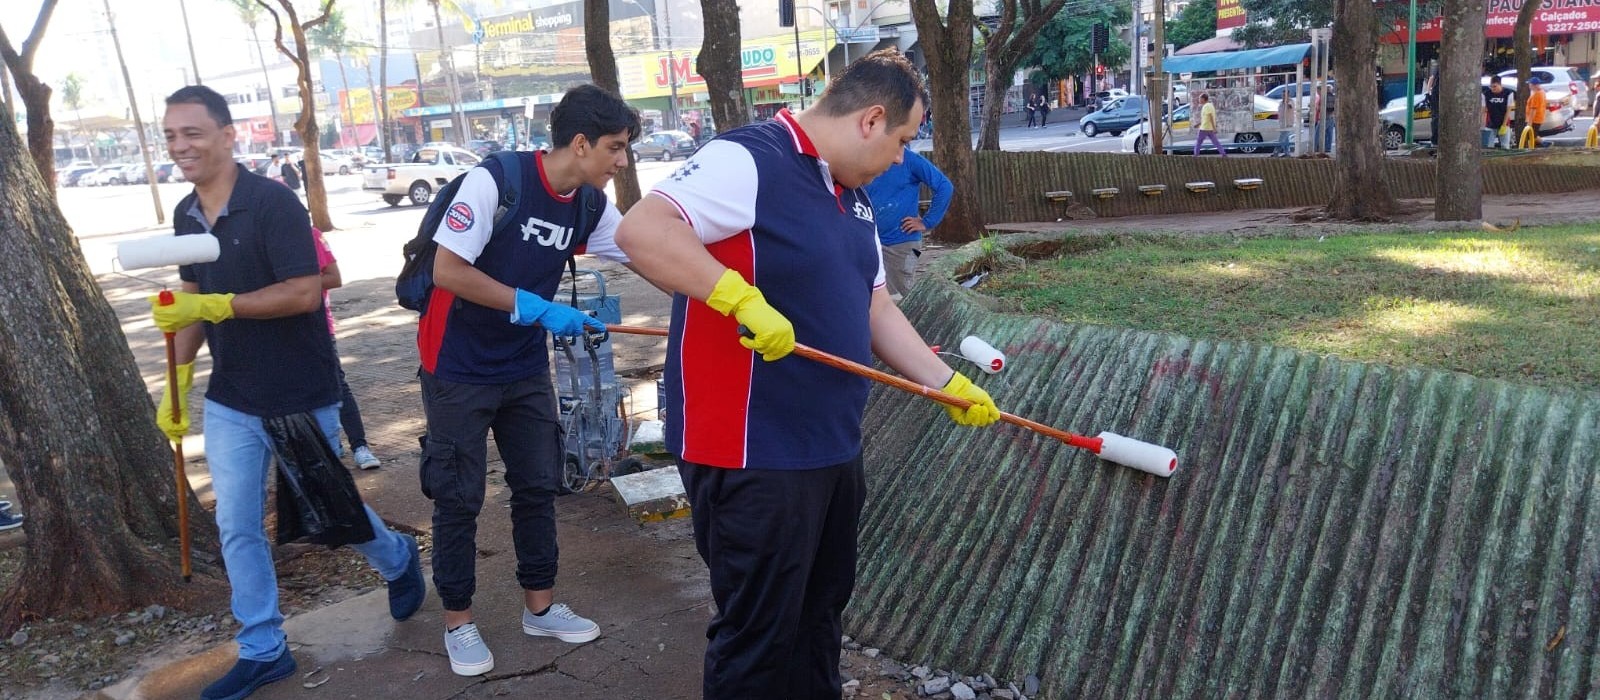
x=1128 y=452
x=161 y=251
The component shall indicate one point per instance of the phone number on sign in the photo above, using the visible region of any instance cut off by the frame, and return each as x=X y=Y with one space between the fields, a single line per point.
x=1572 y=27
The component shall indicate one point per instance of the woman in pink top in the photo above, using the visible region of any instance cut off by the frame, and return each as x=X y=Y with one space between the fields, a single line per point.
x=349 y=412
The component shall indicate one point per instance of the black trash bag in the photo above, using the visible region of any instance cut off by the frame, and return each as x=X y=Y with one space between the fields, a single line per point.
x=317 y=500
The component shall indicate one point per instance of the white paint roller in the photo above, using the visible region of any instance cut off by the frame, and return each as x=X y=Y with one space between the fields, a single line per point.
x=983 y=354
x=1137 y=454
x=161 y=251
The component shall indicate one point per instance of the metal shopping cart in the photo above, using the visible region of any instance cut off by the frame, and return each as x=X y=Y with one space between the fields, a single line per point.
x=593 y=421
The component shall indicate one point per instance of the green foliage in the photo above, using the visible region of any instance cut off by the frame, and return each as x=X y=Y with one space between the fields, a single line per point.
x=1197 y=22
x=72 y=91
x=1511 y=306
x=1275 y=22
x=332 y=35
x=1063 y=46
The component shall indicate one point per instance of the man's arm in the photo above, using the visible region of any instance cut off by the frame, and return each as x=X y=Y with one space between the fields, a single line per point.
x=454 y=273
x=930 y=174
x=666 y=251
x=900 y=346
x=296 y=295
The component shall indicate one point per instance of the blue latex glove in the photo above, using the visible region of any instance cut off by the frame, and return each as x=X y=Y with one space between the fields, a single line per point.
x=559 y=319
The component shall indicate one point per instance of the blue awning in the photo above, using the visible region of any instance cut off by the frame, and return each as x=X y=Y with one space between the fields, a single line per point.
x=1233 y=60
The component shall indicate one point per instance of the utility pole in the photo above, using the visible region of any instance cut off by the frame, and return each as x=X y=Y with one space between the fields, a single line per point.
x=1158 y=79
x=189 y=35
x=138 y=124
x=672 y=66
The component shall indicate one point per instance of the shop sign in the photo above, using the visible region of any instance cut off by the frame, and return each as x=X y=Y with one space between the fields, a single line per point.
x=1230 y=15
x=1553 y=17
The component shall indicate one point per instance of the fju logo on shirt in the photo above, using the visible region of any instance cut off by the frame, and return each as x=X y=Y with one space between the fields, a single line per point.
x=864 y=212
x=547 y=234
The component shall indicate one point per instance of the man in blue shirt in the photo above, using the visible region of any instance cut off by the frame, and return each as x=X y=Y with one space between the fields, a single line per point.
x=259 y=308
x=896 y=198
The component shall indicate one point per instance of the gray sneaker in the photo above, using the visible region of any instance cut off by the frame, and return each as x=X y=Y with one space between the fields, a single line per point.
x=559 y=622
x=365 y=459
x=468 y=654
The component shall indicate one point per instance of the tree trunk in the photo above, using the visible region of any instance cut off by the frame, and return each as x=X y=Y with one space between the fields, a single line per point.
x=997 y=82
x=1522 y=58
x=1459 y=178
x=382 y=105
x=447 y=63
x=306 y=123
x=78 y=435
x=721 y=65
x=947 y=45
x=1360 y=193
x=603 y=68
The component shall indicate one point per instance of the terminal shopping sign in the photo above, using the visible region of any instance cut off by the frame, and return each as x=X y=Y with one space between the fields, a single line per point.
x=1553 y=17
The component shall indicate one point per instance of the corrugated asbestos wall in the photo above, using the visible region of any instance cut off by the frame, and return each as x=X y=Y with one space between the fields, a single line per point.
x=1335 y=530
x=1012 y=185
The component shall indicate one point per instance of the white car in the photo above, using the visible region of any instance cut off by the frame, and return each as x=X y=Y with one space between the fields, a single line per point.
x=1556 y=79
x=1392 y=121
x=430 y=168
x=332 y=163
x=1180 y=139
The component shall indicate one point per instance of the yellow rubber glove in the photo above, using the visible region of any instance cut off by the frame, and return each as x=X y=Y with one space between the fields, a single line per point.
x=187 y=309
x=981 y=412
x=774 y=335
x=176 y=430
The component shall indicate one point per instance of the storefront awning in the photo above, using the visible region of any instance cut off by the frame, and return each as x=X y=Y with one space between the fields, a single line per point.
x=1212 y=45
x=1235 y=60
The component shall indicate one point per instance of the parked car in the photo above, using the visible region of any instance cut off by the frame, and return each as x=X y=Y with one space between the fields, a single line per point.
x=1105 y=97
x=429 y=169
x=71 y=176
x=133 y=174
x=1307 y=91
x=103 y=175
x=483 y=147
x=1179 y=139
x=254 y=162
x=1560 y=106
x=664 y=145
x=1392 y=121
x=1115 y=117
x=1563 y=79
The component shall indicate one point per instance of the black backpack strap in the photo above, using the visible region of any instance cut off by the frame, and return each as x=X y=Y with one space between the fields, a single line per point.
x=591 y=203
x=510 y=182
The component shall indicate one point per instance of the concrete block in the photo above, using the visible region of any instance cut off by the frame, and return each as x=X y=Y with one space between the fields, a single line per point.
x=652 y=495
x=1247 y=183
x=1200 y=187
x=1152 y=190
x=1105 y=192
x=1059 y=195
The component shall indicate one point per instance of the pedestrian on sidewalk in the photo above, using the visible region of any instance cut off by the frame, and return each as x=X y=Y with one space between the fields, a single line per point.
x=1208 y=126
x=1027 y=105
x=355 y=431
x=896 y=198
x=258 y=306
x=1287 y=125
x=1536 y=109
x=1497 y=105
x=1042 y=106
x=485 y=366
x=769 y=447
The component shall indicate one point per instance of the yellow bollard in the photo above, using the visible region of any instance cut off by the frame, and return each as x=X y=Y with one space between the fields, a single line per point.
x=1593 y=138
x=1529 y=138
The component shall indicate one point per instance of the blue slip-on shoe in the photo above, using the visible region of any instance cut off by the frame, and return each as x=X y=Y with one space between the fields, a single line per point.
x=407 y=592
x=10 y=520
x=246 y=676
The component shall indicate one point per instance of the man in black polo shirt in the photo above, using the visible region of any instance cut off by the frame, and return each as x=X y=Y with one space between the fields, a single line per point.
x=271 y=356
x=1497 y=102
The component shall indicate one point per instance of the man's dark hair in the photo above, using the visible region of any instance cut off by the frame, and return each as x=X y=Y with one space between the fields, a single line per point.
x=1494 y=80
x=216 y=105
x=883 y=77
x=594 y=112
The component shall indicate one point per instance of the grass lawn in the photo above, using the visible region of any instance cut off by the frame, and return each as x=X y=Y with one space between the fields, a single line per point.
x=1522 y=306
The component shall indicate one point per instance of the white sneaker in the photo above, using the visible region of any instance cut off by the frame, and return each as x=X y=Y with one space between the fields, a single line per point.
x=365 y=459
x=469 y=656
x=559 y=622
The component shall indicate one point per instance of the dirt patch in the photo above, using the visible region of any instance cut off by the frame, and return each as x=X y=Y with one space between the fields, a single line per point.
x=60 y=658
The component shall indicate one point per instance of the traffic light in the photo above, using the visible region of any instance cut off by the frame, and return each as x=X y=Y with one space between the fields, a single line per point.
x=786 y=13
x=1100 y=38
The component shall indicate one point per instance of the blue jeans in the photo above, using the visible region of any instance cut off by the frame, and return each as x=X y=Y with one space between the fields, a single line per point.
x=240 y=457
x=1285 y=148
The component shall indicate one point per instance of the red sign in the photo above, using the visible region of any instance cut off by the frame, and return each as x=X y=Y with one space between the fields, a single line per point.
x=1553 y=17
x=1229 y=15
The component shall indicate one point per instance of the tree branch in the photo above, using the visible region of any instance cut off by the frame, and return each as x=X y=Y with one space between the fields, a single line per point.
x=277 y=34
x=327 y=9
x=30 y=46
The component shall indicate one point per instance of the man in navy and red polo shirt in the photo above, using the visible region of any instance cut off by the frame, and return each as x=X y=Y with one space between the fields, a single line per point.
x=770 y=451
x=483 y=370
